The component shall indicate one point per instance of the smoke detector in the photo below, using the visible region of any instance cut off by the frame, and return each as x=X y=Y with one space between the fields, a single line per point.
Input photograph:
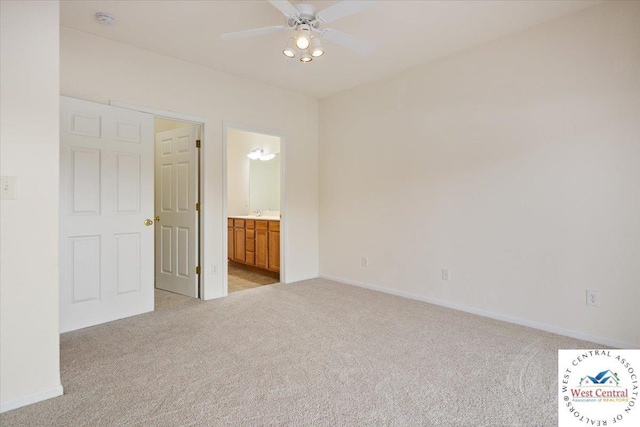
x=105 y=18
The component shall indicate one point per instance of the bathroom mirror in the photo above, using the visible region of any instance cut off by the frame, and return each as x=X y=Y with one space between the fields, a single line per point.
x=264 y=184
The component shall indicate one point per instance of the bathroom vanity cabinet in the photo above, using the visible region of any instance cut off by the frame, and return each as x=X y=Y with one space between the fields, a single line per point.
x=254 y=242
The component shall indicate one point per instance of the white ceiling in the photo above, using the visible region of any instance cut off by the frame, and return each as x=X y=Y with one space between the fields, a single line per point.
x=405 y=33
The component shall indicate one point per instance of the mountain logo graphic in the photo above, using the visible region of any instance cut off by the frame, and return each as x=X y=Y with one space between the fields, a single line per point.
x=604 y=378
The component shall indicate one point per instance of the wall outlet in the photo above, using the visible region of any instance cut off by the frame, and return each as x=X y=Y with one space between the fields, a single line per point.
x=365 y=261
x=446 y=274
x=593 y=298
x=8 y=187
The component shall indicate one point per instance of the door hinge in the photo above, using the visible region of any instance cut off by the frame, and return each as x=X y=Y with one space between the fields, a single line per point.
x=198 y=270
x=198 y=207
x=197 y=143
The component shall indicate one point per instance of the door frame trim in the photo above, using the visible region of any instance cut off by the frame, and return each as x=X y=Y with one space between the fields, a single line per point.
x=205 y=283
x=226 y=125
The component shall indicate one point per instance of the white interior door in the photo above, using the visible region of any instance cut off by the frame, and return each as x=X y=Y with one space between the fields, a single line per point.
x=106 y=195
x=176 y=186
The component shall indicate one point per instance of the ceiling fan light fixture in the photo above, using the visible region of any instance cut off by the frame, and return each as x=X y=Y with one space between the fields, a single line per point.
x=307 y=26
x=316 y=47
x=290 y=48
x=303 y=38
x=306 y=56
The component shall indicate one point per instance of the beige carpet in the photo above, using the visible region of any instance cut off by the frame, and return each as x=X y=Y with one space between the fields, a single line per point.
x=316 y=353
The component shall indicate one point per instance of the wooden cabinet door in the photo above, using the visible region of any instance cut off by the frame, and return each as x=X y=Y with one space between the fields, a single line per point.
x=274 y=251
x=251 y=258
x=255 y=242
x=239 y=234
x=261 y=248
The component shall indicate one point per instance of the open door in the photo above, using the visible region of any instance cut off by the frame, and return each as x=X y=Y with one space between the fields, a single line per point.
x=106 y=213
x=176 y=207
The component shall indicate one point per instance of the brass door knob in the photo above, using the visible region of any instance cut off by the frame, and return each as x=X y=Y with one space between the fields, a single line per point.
x=157 y=218
x=148 y=222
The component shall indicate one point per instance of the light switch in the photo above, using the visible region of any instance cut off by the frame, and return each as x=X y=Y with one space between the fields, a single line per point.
x=7 y=187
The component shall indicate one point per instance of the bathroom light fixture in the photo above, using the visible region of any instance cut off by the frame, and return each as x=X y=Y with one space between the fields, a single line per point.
x=258 y=154
x=255 y=154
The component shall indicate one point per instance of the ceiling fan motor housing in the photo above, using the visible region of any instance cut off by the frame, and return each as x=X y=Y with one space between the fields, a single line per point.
x=307 y=11
x=307 y=16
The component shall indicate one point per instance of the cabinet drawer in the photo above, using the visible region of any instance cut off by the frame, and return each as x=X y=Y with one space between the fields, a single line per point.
x=274 y=225
x=238 y=223
x=251 y=224
x=251 y=234
x=261 y=225
x=251 y=245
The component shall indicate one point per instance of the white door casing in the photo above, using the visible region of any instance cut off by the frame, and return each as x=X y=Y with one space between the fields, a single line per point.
x=106 y=194
x=176 y=195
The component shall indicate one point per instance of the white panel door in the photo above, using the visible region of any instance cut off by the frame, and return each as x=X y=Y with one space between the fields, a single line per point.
x=106 y=194
x=176 y=215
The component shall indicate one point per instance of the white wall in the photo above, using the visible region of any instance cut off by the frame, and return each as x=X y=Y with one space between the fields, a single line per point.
x=29 y=135
x=163 y=125
x=516 y=164
x=100 y=70
x=239 y=144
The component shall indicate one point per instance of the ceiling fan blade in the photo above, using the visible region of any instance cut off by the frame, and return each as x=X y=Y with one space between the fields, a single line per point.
x=343 y=9
x=285 y=7
x=252 y=33
x=347 y=40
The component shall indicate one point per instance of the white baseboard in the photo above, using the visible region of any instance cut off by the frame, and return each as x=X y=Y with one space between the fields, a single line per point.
x=8 y=405
x=497 y=316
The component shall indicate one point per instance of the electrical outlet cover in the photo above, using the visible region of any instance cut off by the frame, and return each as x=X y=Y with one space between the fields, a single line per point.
x=593 y=298
x=8 y=187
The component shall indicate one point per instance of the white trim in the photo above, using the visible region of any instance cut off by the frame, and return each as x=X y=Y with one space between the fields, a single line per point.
x=207 y=287
x=168 y=114
x=8 y=405
x=492 y=315
x=226 y=125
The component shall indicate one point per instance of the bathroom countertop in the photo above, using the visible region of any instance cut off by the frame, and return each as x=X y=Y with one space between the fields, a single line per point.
x=263 y=217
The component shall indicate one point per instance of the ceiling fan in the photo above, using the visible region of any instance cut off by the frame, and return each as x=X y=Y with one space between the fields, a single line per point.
x=308 y=24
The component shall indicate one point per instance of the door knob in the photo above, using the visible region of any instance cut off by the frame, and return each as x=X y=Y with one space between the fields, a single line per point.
x=148 y=222
x=157 y=218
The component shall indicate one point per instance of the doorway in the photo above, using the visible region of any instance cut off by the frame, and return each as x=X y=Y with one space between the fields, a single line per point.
x=107 y=213
x=253 y=199
x=206 y=266
x=177 y=206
